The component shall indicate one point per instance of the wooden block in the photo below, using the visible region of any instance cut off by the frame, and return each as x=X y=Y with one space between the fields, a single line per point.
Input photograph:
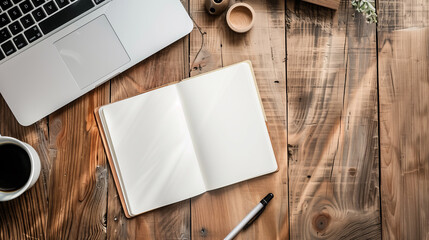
x=217 y=46
x=333 y=4
x=333 y=127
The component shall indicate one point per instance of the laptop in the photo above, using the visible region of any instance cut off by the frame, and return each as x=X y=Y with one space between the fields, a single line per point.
x=53 y=51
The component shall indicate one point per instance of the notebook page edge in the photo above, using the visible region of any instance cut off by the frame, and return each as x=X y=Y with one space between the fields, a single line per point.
x=117 y=170
x=257 y=88
x=243 y=180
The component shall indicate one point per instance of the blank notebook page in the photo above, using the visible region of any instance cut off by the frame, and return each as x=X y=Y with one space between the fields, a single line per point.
x=157 y=163
x=227 y=125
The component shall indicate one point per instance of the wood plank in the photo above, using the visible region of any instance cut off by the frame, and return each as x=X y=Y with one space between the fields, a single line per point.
x=216 y=213
x=333 y=4
x=332 y=124
x=403 y=40
x=69 y=199
x=26 y=216
x=173 y=221
x=77 y=185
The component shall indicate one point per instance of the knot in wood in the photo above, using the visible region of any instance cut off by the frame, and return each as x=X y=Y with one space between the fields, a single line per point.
x=352 y=172
x=321 y=222
x=203 y=232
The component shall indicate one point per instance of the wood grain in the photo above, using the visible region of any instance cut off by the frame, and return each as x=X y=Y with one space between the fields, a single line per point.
x=333 y=4
x=77 y=185
x=26 y=216
x=216 y=213
x=404 y=102
x=69 y=199
x=332 y=124
x=171 y=222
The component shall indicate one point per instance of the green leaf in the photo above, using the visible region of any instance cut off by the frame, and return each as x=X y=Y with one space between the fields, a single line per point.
x=367 y=8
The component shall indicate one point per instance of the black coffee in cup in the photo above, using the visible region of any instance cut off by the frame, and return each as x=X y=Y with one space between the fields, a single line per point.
x=15 y=167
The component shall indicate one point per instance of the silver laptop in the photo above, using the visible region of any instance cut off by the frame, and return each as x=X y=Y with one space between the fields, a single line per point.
x=53 y=51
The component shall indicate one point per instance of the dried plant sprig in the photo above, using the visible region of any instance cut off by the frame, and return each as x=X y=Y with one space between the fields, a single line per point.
x=367 y=8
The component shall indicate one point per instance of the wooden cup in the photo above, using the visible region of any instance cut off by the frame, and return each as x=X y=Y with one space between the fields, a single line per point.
x=240 y=17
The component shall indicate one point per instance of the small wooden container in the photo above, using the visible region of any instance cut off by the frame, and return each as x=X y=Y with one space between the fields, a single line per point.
x=240 y=17
x=216 y=7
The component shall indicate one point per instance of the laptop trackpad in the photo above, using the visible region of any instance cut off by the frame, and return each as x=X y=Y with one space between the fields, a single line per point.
x=92 y=51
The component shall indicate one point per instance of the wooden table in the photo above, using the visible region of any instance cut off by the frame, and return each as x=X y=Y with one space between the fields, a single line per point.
x=347 y=106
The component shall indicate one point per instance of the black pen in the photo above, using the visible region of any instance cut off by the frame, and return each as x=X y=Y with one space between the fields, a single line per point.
x=251 y=217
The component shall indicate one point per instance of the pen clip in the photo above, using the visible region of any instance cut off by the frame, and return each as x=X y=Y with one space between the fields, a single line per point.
x=254 y=218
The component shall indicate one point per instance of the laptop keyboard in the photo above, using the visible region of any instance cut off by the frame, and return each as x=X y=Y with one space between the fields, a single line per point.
x=22 y=22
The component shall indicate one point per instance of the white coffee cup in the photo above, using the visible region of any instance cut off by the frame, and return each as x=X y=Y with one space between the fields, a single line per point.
x=34 y=171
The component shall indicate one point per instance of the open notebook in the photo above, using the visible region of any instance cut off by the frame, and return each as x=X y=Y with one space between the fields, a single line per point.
x=184 y=139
